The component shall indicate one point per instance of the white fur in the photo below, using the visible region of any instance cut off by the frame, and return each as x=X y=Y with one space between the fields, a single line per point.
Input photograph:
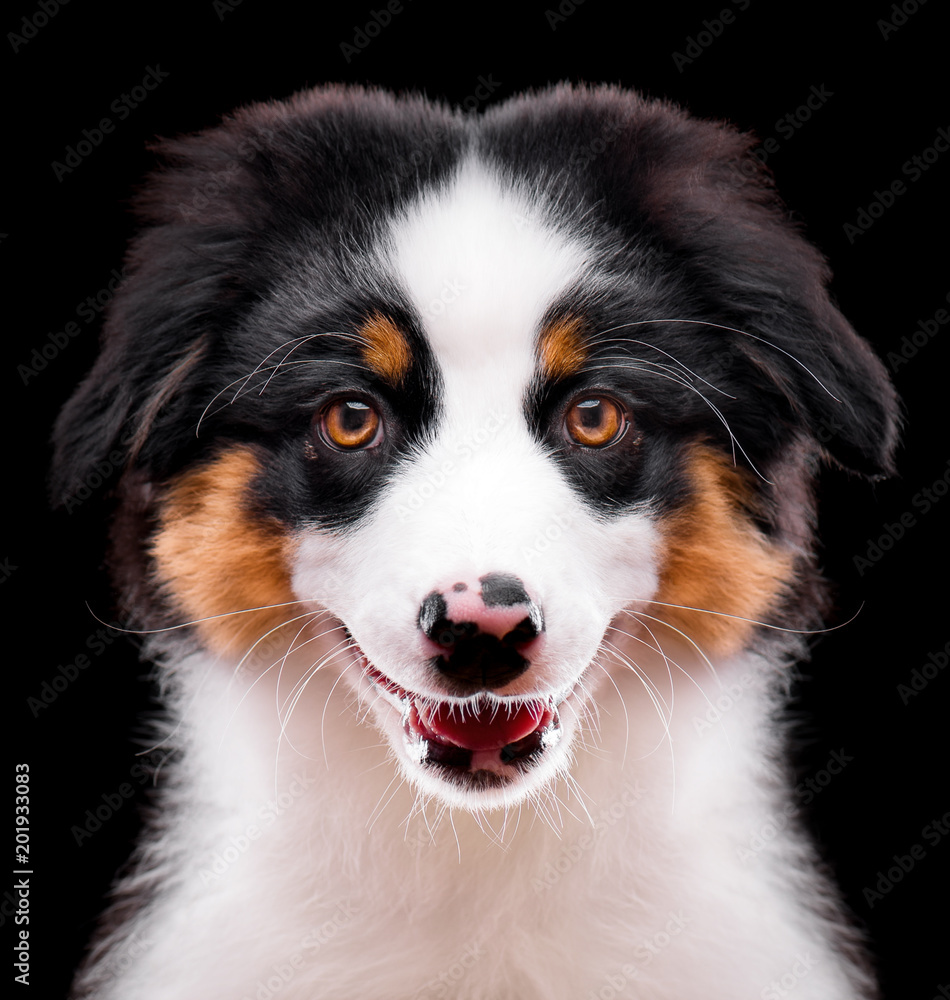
x=641 y=870
x=307 y=854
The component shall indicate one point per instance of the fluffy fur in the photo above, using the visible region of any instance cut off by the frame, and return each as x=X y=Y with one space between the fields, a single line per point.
x=467 y=507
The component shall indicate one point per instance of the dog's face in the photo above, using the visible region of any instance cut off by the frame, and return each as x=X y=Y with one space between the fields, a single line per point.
x=480 y=577
x=478 y=402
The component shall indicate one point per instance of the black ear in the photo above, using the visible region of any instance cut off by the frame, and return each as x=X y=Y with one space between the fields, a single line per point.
x=141 y=401
x=771 y=283
x=147 y=384
x=835 y=388
x=103 y=428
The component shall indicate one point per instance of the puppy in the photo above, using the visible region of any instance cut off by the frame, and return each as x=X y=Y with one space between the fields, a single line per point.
x=467 y=508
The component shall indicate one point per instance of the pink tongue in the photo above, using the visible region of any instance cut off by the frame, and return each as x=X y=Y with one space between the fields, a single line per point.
x=491 y=728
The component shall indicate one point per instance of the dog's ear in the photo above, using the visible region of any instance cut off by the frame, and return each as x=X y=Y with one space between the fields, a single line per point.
x=103 y=428
x=147 y=375
x=832 y=387
x=836 y=389
x=718 y=200
x=145 y=392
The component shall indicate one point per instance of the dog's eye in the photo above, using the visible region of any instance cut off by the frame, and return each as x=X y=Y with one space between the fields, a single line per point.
x=595 y=422
x=350 y=424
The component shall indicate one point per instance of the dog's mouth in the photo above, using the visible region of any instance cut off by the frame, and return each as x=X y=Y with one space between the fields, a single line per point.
x=480 y=741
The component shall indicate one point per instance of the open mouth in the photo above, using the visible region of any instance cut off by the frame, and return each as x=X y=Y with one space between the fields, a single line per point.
x=480 y=740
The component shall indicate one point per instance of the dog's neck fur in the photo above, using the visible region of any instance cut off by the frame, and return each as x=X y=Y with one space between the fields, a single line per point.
x=654 y=829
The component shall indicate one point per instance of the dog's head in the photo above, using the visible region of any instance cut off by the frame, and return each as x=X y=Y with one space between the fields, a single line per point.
x=470 y=391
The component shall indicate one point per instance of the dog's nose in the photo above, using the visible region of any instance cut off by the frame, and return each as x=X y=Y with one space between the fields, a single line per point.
x=481 y=634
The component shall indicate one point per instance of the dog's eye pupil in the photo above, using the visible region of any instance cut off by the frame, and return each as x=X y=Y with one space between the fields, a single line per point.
x=350 y=423
x=595 y=422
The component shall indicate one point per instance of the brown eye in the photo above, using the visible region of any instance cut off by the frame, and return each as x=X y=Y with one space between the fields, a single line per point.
x=595 y=422
x=350 y=424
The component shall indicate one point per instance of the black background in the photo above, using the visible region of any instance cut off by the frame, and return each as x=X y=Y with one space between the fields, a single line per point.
x=884 y=102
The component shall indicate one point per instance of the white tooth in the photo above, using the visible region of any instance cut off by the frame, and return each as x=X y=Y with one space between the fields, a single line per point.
x=550 y=736
x=416 y=750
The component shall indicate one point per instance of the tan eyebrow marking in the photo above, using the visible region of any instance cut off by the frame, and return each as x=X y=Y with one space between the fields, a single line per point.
x=385 y=348
x=561 y=348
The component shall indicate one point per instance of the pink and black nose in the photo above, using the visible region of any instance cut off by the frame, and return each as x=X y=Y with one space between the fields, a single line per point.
x=481 y=635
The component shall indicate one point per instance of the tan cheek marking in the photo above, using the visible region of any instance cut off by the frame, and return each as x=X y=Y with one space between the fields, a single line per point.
x=715 y=558
x=214 y=557
x=385 y=348
x=561 y=348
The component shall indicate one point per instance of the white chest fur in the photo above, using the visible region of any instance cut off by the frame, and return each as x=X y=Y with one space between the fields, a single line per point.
x=297 y=865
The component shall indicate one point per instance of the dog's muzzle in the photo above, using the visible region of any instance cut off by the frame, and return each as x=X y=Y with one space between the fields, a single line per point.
x=479 y=637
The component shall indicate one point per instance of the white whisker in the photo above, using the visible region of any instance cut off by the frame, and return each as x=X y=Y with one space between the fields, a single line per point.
x=395 y=784
x=649 y=686
x=740 y=618
x=720 y=416
x=669 y=661
x=728 y=329
x=679 y=364
x=196 y=621
x=300 y=341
